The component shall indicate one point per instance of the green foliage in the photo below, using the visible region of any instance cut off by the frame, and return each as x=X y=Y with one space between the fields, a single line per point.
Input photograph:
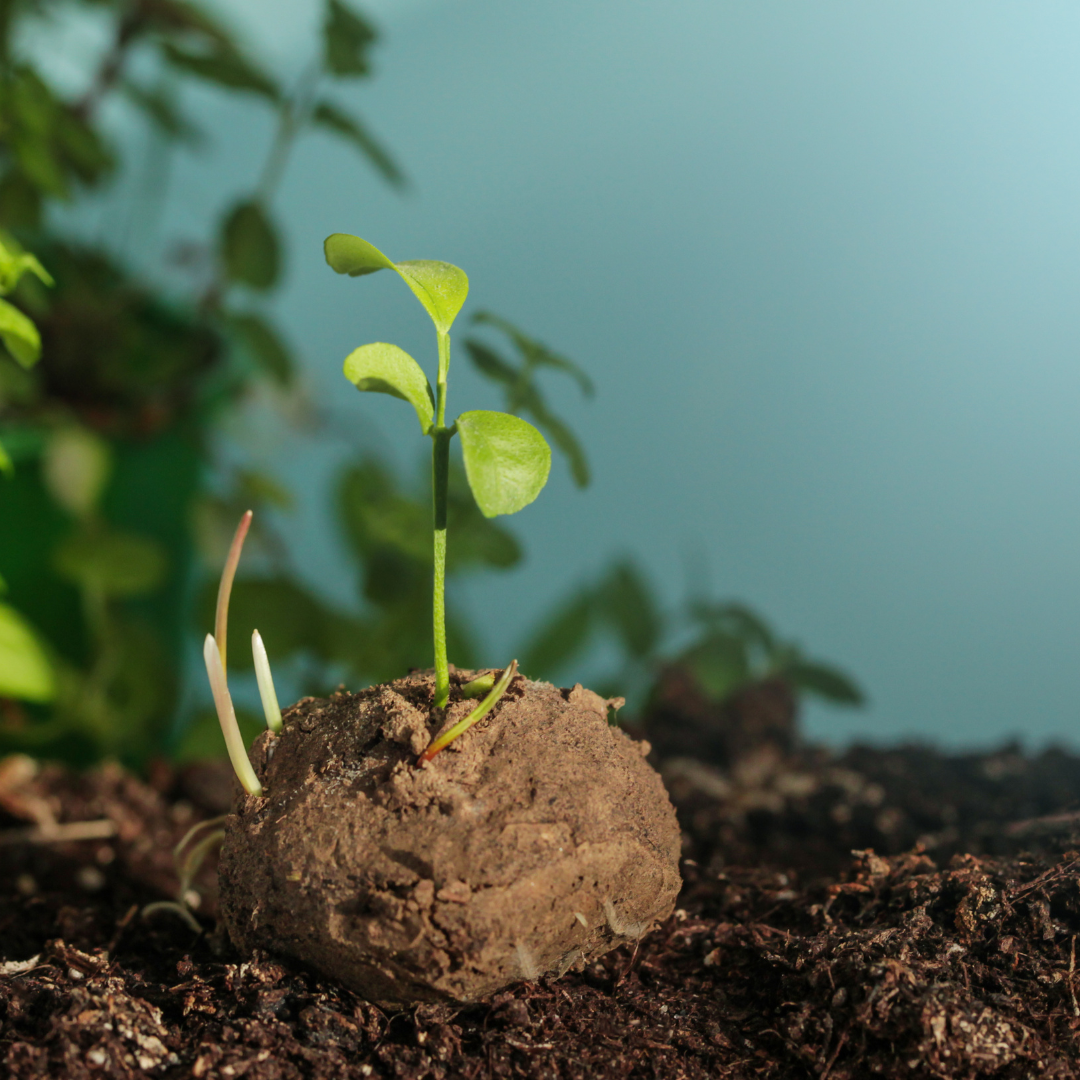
x=264 y=344
x=386 y=369
x=250 y=249
x=25 y=671
x=506 y=460
x=334 y=119
x=439 y=286
x=523 y=394
x=347 y=38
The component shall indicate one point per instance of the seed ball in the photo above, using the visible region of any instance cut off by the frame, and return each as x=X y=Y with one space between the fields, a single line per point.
x=539 y=840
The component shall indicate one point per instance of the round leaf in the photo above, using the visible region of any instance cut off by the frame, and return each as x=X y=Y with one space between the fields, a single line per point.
x=25 y=672
x=386 y=369
x=439 y=286
x=507 y=460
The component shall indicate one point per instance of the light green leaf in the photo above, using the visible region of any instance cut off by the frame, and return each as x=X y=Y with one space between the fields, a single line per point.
x=25 y=672
x=114 y=563
x=329 y=116
x=19 y=334
x=75 y=467
x=7 y=467
x=507 y=460
x=346 y=37
x=14 y=262
x=249 y=246
x=439 y=286
x=386 y=369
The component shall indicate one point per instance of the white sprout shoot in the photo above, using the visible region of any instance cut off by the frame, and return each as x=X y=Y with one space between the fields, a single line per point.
x=221 y=618
x=266 y=683
x=215 y=671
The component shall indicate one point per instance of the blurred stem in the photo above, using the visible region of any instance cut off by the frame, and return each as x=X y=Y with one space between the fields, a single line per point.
x=294 y=112
x=440 y=481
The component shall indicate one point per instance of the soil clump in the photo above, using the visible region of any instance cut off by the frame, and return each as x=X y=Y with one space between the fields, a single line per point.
x=949 y=951
x=537 y=841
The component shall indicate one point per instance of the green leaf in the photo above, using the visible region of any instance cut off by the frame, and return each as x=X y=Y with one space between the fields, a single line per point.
x=386 y=369
x=7 y=467
x=561 y=435
x=490 y=364
x=20 y=335
x=507 y=460
x=628 y=606
x=14 y=262
x=265 y=345
x=249 y=246
x=224 y=66
x=329 y=116
x=560 y=637
x=535 y=352
x=25 y=671
x=719 y=663
x=439 y=286
x=161 y=108
x=346 y=37
x=825 y=681
x=113 y=563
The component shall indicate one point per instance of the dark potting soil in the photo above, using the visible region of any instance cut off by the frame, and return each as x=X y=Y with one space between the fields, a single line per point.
x=948 y=950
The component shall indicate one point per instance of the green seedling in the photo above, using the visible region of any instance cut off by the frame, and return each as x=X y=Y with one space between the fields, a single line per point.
x=214 y=658
x=507 y=460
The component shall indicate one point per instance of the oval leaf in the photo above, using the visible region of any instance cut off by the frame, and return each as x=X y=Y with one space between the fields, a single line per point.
x=441 y=287
x=19 y=334
x=386 y=369
x=25 y=672
x=249 y=246
x=507 y=460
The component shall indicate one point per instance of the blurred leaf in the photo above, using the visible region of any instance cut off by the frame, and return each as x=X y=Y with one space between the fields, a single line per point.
x=507 y=460
x=561 y=636
x=386 y=369
x=264 y=344
x=439 y=286
x=824 y=681
x=474 y=539
x=627 y=605
x=562 y=437
x=719 y=663
x=14 y=262
x=113 y=563
x=329 y=116
x=7 y=467
x=223 y=66
x=25 y=672
x=535 y=352
x=249 y=246
x=489 y=363
x=376 y=514
x=260 y=488
x=346 y=39
x=741 y=622
x=161 y=108
x=20 y=335
x=76 y=467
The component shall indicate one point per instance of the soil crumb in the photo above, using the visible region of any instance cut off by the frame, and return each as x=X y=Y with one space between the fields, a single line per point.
x=536 y=842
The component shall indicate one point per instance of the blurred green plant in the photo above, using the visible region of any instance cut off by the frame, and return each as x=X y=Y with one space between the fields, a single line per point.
x=109 y=432
x=726 y=646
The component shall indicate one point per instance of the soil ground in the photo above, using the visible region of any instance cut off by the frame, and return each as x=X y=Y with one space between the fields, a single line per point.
x=899 y=913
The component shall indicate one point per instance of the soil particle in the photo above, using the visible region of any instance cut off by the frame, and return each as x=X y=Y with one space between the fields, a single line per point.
x=536 y=842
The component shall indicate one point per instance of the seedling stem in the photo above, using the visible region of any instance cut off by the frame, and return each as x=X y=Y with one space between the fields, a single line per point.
x=478 y=713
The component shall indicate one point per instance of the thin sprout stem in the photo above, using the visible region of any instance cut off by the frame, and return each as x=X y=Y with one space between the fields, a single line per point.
x=221 y=617
x=196 y=857
x=266 y=683
x=227 y=717
x=440 y=482
x=189 y=836
x=478 y=713
x=176 y=909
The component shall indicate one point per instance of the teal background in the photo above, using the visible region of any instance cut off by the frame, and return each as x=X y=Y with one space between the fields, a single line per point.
x=822 y=262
